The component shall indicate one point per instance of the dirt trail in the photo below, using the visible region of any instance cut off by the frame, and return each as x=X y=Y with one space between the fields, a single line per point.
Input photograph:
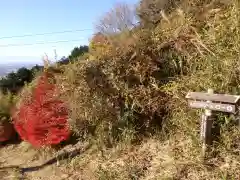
x=24 y=162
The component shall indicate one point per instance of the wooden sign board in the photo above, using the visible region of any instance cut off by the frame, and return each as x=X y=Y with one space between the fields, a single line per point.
x=211 y=102
x=225 y=98
x=213 y=106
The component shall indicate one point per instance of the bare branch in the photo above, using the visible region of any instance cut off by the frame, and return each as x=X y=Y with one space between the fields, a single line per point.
x=120 y=18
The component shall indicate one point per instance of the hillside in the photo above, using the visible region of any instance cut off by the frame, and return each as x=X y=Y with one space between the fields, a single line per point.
x=125 y=98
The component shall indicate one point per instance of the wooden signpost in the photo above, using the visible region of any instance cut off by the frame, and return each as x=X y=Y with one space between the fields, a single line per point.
x=211 y=102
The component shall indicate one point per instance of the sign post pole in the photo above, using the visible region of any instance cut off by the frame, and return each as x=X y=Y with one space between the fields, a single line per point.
x=211 y=102
x=206 y=127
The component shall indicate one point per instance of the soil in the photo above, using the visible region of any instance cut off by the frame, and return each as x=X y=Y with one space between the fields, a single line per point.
x=22 y=161
x=7 y=131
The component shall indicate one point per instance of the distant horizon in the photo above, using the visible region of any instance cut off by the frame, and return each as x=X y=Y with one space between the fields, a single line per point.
x=4 y=60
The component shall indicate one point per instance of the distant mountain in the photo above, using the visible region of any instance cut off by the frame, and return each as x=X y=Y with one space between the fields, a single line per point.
x=3 y=71
x=13 y=66
x=12 y=63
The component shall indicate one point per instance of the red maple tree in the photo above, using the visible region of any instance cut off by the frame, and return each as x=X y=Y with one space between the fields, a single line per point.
x=44 y=120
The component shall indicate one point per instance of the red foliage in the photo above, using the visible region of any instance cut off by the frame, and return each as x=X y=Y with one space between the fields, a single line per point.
x=43 y=120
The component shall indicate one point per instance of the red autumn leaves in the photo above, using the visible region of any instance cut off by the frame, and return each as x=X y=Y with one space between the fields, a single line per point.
x=44 y=120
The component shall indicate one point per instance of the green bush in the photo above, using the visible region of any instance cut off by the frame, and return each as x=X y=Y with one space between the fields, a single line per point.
x=6 y=105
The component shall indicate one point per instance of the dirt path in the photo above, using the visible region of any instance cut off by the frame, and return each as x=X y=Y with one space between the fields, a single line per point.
x=24 y=162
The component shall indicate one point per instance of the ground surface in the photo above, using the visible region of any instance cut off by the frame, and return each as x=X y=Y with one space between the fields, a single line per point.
x=150 y=160
x=21 y=161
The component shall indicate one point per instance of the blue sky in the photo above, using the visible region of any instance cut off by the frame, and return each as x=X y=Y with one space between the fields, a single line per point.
x=22 y=17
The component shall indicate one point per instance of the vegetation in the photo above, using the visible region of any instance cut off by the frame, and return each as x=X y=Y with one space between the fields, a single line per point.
x=15 y=81
x=129 y=101
x=7 y=102
x=151 y=12
x=135 y=90
x=10 y=85
x=41 y=119
x=78 y=51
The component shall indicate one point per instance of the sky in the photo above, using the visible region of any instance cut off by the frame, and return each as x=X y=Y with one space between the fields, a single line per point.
x=30 y=17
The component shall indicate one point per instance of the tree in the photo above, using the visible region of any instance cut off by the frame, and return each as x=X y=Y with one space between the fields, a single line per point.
x=120 y=18
x=78 y=51
x=24 y=75
x=14 y=81
x=63 y=60
x=37 y=68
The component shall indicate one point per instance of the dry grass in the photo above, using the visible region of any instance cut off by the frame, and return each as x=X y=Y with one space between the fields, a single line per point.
x=200 y=52
x=125 y=88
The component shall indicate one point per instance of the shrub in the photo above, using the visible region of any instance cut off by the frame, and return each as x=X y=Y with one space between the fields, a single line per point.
x=6 y=128
x=137 y=86
x=150 y=11
x=98 y=45
x=41 y=118
x=6 y=104
x=115 y=93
